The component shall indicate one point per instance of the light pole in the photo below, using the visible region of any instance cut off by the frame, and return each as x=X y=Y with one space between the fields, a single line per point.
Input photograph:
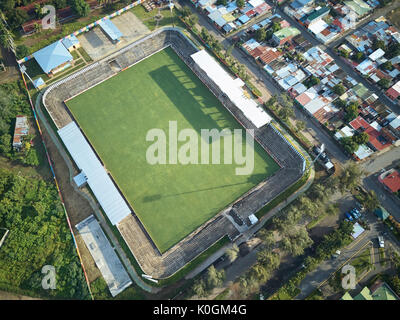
x=312 y=162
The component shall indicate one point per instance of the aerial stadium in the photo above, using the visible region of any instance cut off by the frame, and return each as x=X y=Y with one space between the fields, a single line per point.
x=167 y=215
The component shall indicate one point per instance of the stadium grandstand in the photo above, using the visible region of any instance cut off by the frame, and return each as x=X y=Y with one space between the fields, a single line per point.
x=232 y=88
x=97 y=178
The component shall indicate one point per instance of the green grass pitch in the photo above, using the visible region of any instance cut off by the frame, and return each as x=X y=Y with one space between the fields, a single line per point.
x=170 y=200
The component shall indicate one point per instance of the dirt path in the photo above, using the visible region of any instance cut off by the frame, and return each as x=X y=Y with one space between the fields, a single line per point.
x=12 y=296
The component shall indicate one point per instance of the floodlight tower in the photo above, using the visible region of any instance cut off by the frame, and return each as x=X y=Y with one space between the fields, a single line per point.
x=171 y=7
x=322 y=150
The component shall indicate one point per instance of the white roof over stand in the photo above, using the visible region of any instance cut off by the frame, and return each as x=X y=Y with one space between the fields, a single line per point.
x=232 y=88
x=99 y=182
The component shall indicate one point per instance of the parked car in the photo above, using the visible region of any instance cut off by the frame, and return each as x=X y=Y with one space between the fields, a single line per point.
x=381 y=242
x=348 y=216
x=355 y=213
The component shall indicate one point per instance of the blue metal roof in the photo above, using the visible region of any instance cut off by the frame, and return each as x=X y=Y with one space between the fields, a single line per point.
x=38 y=82
x=52 y=56
x=243 y=19
x=111 y=30
x=70 y=42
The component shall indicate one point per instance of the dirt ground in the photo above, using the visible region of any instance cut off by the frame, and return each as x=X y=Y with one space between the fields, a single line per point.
x=12 y=296
x=394 y=17
x=98 y=45
x=77 y=207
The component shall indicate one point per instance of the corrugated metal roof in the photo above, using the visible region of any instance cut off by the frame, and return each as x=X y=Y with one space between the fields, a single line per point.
x=110 y=28
x=232 y=88
x=100 y=183
x=52 y=56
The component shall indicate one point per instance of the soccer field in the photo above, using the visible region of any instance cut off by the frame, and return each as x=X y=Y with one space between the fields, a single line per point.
x=171 y=200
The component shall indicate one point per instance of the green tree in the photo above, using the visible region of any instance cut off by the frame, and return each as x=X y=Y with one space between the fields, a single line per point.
x=22 y=51
x=232 y=253
x=295 y=242
x=81 y=7
x=240 y=3
x=186 y=12
x=339 y=89
x=300 y=125
x=351 y=112
x=370 y=200
x=192 y=20
x=261 y=34
x=387 y=66
x=361 y=138
x=199 y=288
x=378 y=44
x=214 y=278
x=384 y=83
x=350 y=177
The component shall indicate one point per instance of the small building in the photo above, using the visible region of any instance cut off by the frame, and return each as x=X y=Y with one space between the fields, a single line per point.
x=53 y=58
x=381 y=213
x=80 y=179
x=391 y=180
x=71 y=43
x=316 y=15
x=21 y=130
x=281 y=36
x=110 y=30
x=38 y=83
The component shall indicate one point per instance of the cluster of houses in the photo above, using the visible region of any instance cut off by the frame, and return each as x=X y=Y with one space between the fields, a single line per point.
x=230 y=17
x=311 y=77
x=379 y=43
x=327 y=19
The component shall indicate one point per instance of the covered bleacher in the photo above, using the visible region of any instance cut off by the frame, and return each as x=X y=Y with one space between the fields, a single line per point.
x=110 y=30
x=231 y=87
x=98 y=180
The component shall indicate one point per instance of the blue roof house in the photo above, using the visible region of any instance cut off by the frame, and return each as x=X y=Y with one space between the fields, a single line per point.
x=71 y=43
x=53 y=58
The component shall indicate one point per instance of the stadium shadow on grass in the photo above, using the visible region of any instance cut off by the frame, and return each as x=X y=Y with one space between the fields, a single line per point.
x=172 y=81
x=252 y=179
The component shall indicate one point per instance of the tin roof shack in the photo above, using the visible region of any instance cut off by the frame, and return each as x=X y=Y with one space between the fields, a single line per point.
x=21 y=130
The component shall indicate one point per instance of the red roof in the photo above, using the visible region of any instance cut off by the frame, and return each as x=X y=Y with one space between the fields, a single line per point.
x=260 y=50
x=376 y=139
x=392 y=181
x=392 y=93
x=358 y=123
x=270 y=55
x=303 y=99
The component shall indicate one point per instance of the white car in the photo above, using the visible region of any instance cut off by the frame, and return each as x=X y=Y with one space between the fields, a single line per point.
x=381 y=242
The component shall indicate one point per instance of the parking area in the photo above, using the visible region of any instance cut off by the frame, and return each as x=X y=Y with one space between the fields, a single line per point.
x=98 y=45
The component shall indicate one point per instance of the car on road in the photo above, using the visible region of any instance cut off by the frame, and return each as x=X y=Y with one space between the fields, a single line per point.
x=381 y=242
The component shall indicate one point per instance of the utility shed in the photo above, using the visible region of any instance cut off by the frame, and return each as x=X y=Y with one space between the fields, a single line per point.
x=21 y=130
x=99 y=181
x=110 y=30
x=104 y=256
